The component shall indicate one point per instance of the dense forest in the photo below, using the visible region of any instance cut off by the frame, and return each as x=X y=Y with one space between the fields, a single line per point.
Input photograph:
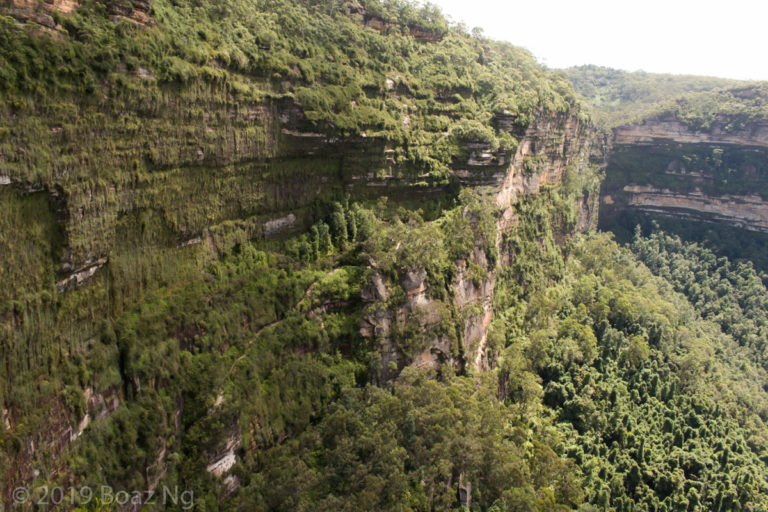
x=342 y=256
x=620 y=97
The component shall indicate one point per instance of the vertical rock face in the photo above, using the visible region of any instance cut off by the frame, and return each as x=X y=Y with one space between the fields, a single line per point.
x=136 y=11
x=40 y=12
x=134 y=186
x=654 y=130
x=549 y=146
x=554 y=144
x=662 y=167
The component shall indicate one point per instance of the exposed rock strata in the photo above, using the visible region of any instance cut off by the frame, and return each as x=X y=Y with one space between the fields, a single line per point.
x=714 y=176
x=674 y=130
x=558 y=142
x=40 y=12
x=747 y=212
x=135 y=11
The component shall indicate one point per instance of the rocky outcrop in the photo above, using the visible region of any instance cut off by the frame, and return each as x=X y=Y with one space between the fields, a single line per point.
x=41 y=12
x=357 y=11
x=134 y=11
x=555 y=143
x=98 y=406
x=81 y=275
x=225 y=460
x=274 y=227
x=42 y=446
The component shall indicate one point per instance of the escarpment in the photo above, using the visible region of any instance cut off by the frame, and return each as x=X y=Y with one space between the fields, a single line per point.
x=664 y=168
x=173 y=197
x=671 y=129
x=305 y=255
x=549 y=148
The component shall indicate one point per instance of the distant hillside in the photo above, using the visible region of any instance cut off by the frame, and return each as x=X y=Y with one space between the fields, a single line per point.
x=619 y=97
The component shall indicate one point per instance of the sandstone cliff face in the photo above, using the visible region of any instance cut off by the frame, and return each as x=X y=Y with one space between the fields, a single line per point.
x=40 y=12
x=674 y=130
x=749 y=212
x=556 y=143
x=135 y=11
x=254 y=170
x=140 y=184
x=663 y=167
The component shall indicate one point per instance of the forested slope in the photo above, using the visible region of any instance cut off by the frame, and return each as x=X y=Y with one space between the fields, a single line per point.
x=337 y=256
x=620 y=97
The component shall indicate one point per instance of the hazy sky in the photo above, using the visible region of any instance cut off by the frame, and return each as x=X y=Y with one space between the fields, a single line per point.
x=705 y=37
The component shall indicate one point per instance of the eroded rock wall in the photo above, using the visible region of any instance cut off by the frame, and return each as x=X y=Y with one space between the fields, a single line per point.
x=550 y=146
x=40 y=12
x=663 y=167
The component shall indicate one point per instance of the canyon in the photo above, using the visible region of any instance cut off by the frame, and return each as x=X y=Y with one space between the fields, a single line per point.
x=300 y=255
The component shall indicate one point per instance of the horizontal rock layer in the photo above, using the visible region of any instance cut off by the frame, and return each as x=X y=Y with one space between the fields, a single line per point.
x=747 y=212
x=664 y=167
x=674 y=130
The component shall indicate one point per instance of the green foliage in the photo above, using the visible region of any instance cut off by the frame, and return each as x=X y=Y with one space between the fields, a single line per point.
x=264 y=348
x=411 y=448
x=702 y=103
x=732 y=295
x=650 y=416
x=620 y=97
x=160 y=149
x=724 y=240
x=610 y=391
x=727 y=110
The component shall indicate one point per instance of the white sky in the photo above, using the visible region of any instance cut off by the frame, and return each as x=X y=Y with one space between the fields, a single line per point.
x=704 y=37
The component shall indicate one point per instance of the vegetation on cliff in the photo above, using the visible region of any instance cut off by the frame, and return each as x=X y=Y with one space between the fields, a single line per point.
x=263 y=352
x=138 y=155
x=348 y=75
x=157 y=329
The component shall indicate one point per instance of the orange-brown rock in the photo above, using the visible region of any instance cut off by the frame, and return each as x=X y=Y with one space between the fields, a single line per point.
x=748 y=212
x=674 y=130
x=134 y=11
x=40 y=12
x=556 y=142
